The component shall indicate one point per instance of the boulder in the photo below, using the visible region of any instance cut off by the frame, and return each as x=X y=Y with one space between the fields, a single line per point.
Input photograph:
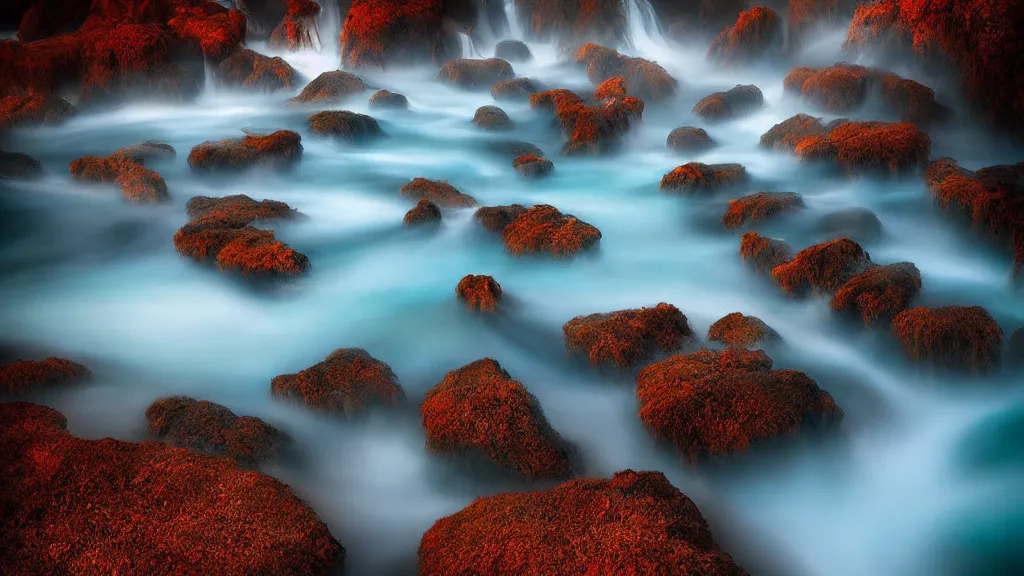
x=762 y=253
x=513 y=51
x=738 y=331
x=822 y=268
x=33 y=110
x=245 y=68
x=480 y=410
x=425 y=212
x=960 y=338
x=794 y=81
x=496 y=218
x=297 y=30
x=344 y=125
x=331 y=88
x=113 y=507
x=439 y=192
x=533 y=167
x=858 y=224
x=700 y=178
x=760 y=206
x=543 y=229
x=349 y=381
x=571 y=23
x=26 y=376
x=721 y=403
x=733 y=103
x=148 y=151
x=380 y=33
x=610 y=89
x=513 y=89
x=643 y=79
x=210 y=428
x=840 y=88
x=869 y=148
x=139 y=184
x=912 y=101
x=628 y=338
x=758 y=33
x=787 y=134
x=589 y=130
x=475 y=74
x=278 y=150
x=492 y=118
x=689 y=139
x=383 y=99
x=479 y=292
x=879 y=292
x=18 y=166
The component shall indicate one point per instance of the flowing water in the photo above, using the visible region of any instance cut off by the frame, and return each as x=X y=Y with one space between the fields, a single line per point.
x=926 y=476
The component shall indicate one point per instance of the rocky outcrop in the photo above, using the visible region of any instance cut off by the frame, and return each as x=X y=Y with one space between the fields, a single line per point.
x=739 y=331
x=762 y=253
x=758 y=33
x=869 y=148
x=345 y=126
x=139 y=184
x=513 y=89
x=533 y=167
x=760 y=206
x=331 y=88
x=385 y=100
x=822 y=268
x=380 y=33
x=424 y=212
x=437 y=191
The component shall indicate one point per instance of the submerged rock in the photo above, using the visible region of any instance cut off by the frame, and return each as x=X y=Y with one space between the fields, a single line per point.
x=513 y=51
x=139 y=184
x=437 y=191
x=739 y=331
x=869 y=147
x=479 y=292
x=18 y=166
x=733 y=103
x=760 y=206
x=822 y=268
x=757 y=33
x=543 y=229
x=962 y=338
x=697 y=177
x=475 y=74
x=385 y=100
x=25 y=376
x=347 y=382
x=496 y=218
x=344 y=125
x=533 y=167
x=689 y=139
x=627 y=338
x=425 y=212
x=643 y=79
x=278 y=150
x=513 y=89
x=879 y=293
x=762 y=253
x=491 y=118
x=248 y=69
x=331 y=87
x=33 y=110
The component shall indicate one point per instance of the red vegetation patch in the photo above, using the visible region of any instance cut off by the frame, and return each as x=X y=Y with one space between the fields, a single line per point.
x=530 y=166
x=425 y=212
x=733 y=103
x=382 y=32
x=589 y=129
x=880 y=292
x=763 y=253
x=75 y=506
x=542 y=228
x=480 y=292
x=739 y=331
x=345 y=125
x=822 y=268
x=480 y=410
x=383 y=99
x=278 y=150
x=475 y=74
x=217 y=31
x=871 y=147
x=298 y=27
x=786 y=135
x=760 y=206
x=491 y=118
x=249 y=69
x=513 y=89
x=642 y=78
x=627 y=338
x=438 y=192
x=614 y=87
x=634 y=523
x=331 y=87
x=259 y=254
x=213 y=429
x=953 y=337
x=696 y=177
x=138 y=184
x=26 y=376
x=794 y=81
x=721 y=403
x=347 y=382
x=33 y=110
x=840 y=88
x=689 y=139
x=758 y=32
x=496 y=218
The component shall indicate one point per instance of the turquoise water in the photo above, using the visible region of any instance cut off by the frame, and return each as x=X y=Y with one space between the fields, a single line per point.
x=912 y=487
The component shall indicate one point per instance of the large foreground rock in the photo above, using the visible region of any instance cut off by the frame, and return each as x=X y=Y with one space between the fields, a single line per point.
x=245 y=68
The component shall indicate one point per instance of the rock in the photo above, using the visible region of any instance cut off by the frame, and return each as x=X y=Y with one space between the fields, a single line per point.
x=879 y=293
x=18 y=166
x=35 y=20
x=697 y=177
x=479 y=292
x=644 y=79
x=437 y=191
x=245 y=68
x=758 y=33
x=709 y=403
x=734 y=103
x=381 y=33
x=25 y=376
x=492 y=118
x=610 y=89
x=572 y=23
x=148 y=151
x=297 y=30
x=347 y=382
x=690 y=139
x=513 y=51
x=589 y=130
x=533 y=167
x=760 y=206
x=739 y=331
x=263 y=15
x=869 y=147
x=496 y=218
x=787 y=134
x=210 y=428
x=575 y=526
x=513 y=89
x=1015 y=348
x=543 y=229
x=858 y=224
x=480 y=410
x=331 y=88
x=425 y=212
x=343 y=125
x=383 y=99
x=962 y=338
x=33 y=110
x=236 y=211
x=475 y=74
x=795 y=79
x=628 y=338
x=139 y=184
x=822 y=268
x=805 y=15
x=513 y=148
x=912 y=101
x=762 y=253
x=840 y=88
x=116 y=507
x=257 y=254
x=279 y=150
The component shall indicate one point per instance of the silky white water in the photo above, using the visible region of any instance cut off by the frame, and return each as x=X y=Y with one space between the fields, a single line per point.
x=86 y=276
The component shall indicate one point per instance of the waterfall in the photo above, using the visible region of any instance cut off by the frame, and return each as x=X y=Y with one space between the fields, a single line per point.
x=514 y=30
x=330 y=22
x=643 y=30
x=468 y=51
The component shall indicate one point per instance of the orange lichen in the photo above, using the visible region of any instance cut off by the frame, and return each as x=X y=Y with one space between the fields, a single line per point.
x=720 y=403
x=331 y=87
x=760 y=206
x=425 y=212
x=345 y=125
x=76 y=506
x=822 y=268
x=542 y=228
x=260 y=255
x=479 y=292
x=347 y=382
x=952 y=337
x=688 y=139
x=739 y=331
x=871 y=147
x=914 y=102
x=642 y=78
x=735 y=102
x=475 y=74
x=33 y=110
x=697 y=177
x=437 y=191
x=254 y=70
x=217 y=31
x=531 y=166
x=138 y=184
x=480 y=410
x=839 y=88
x=627 y=338
x=763 y=253
x=491 y=118
x=790 y=132
x=758 y=32
x=26 y=376
x=380 y=32
x=496 y=218
x=634 y=523
x=795 y=78
x=513 y=89
x=614 y=87
x=880 y=292
x=278 y=150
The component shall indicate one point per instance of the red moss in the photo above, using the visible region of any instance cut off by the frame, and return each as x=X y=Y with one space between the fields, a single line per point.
x=26 y=376
x=331 y=87
x=213 y=429
x=345 y=125
x=33 y=110
x=138 y=184
x=475 y=74
x=642 y=78
x=840 y=88
x=248 y=69
x=385 y=99
x=235 y=211
x=479 y=292
x=491 y=118
x=733 y=103
x=794 y=81
x=689 y=139
x=696 y=177
x=634 y=523
x=513 y=89
x=953 y=337
x=382 y=32
x=496 y=218
x=76 y=506
x=879 y=293
x=627 y=338
x=821 y=268
x=758 y=32
x=260 y=255
x=791 y=131
x=96 y=168
x=614 y=87
x=218 y=31
x=480 y=410
x=872 y=147
x=542 y=228
x=762 y=253
x=530 y=166
x=589 y=130
x=437 y=191
x=914 y=102
x=739 y=331
x=298 y=27
x=347 y=382
x=760 y=206
x=278 y=150
x=721 y=403
x=425 y=212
